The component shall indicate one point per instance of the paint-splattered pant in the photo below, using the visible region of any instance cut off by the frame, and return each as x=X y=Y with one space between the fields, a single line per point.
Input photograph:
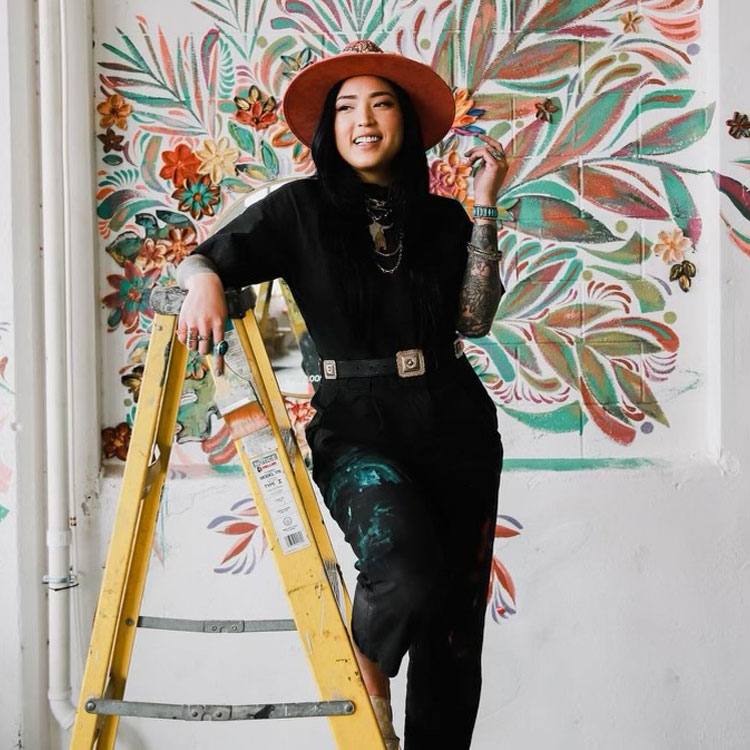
x=410 y=471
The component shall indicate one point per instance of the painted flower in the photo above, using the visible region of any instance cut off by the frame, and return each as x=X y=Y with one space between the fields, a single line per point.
x=131 y=298
x=672 y=246
x=255 y=111
x=111 y=141
x=197 y=197
x=683 y=273
x=114 y=110
x=631 y=21
x=299 y=410
x=115 y=441
x=217 y=159
x=739 y=126
x=545 y=109
x=178 y=244
x=180 y=165
x=150 y=256
x=283 y=138
x=466 y=114
x=448 y=177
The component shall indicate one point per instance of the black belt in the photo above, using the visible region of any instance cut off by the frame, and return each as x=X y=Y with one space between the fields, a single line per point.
x=406 y=363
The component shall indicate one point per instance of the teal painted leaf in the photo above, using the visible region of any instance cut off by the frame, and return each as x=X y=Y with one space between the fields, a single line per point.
x=547 y=187
x=173 y=218
x=242 y=136
x=112 y=159
x=270 y=160
x=558 y=351
x=150 y=165
x=124 y=247
x=523 y=296
x=238 y=186
x=568 y=418
x=559 y=220
x=557 y=13
x=648 y=294
x=673 y=135
x=660 y=99
x=498 y=356
x=516 y=345
x=682 y=205
x=540 y=87
x=599 y=382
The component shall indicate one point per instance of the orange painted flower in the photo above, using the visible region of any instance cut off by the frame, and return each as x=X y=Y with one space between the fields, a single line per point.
x=672 y=246
x=179 y=165
x=115 y=441
x=150 y=256
x=180 y=243
x=256 y=111
x=114 y=111
x=464 y=103
x=449 y=177
x=631 y=21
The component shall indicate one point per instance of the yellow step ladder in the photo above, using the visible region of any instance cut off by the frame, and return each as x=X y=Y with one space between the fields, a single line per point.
x=249 y=399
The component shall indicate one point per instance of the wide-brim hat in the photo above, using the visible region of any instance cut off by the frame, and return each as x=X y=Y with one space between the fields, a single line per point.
x=430 y=94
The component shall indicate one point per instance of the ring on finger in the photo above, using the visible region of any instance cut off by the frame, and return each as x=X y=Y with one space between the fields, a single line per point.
x=498 y=154
x=205 y=338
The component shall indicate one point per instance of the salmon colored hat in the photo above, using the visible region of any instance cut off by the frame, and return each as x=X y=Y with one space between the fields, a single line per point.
x=430 y=94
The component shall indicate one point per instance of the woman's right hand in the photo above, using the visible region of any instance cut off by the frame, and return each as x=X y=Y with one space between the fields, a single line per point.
x=204 y=313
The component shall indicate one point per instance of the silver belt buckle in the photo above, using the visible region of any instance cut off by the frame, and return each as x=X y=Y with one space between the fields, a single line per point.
x=410 y=362
x=329 y=369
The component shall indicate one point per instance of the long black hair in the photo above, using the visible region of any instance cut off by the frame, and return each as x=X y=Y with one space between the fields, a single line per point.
x=344 y=224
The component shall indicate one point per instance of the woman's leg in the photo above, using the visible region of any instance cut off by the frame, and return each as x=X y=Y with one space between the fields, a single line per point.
x=444 y=676
x=385 y=519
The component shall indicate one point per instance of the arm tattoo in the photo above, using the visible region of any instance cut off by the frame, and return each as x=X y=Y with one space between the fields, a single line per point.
x=482 y=288
x=192 y=265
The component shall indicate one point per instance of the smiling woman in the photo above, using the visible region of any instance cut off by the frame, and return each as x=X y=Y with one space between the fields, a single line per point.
x=385 y=274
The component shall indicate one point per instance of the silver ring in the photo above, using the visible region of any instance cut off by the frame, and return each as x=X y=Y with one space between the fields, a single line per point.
x=205 y=338
x=221 y=348
x=497 y=154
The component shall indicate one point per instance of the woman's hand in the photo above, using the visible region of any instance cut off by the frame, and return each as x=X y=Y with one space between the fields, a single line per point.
x=490 y=175
x=203 y=315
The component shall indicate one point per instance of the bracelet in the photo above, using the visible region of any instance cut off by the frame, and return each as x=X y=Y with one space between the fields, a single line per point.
x=487 y=254
x=484 y=212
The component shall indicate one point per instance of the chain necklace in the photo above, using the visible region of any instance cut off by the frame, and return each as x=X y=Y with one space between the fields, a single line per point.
x=381 y=218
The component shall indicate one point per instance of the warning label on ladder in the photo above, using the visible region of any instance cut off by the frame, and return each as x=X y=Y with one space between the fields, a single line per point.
x=277 y=494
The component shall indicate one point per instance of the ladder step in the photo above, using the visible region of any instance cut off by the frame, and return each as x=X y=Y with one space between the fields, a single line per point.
x=201 y=712
x=215 y=626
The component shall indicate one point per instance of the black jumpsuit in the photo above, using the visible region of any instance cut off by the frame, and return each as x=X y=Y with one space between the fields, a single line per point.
x=408 y=467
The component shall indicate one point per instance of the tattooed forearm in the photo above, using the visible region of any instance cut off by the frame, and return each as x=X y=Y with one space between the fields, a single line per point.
x=481 y=289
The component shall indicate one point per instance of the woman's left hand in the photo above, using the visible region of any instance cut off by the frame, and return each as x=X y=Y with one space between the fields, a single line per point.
x=490 y=175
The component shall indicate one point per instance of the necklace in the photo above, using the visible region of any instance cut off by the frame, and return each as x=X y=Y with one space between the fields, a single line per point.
x=381 y=218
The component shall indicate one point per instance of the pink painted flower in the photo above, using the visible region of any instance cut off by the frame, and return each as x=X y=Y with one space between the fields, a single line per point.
x=672 y=246
x=449 y=177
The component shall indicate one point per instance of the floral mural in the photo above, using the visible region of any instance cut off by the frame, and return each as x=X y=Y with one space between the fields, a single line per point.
x=602 y=230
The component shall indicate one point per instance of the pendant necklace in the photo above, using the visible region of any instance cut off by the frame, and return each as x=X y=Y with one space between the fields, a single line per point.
x=380 y=215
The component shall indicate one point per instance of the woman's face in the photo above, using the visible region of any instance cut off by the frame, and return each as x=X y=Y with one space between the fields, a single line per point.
x=369 y=127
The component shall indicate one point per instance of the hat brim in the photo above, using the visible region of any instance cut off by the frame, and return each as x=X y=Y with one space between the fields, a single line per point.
x=430 y=94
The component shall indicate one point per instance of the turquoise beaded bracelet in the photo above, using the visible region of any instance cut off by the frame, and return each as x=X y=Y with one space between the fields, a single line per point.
x=484 y=212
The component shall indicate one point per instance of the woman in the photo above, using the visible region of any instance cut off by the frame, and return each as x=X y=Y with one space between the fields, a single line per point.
x=404 y=441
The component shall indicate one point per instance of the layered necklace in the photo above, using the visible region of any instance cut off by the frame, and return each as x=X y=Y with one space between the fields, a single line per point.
x=381 y=215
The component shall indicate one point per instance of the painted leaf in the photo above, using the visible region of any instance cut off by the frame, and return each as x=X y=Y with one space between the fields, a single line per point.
x=620 y=344
x=568 y=418
x=517 y=346
x=524 y=295
x=612 y=193
x=549 y=217
x=673 y=135
x=664 y=335
x=536 y=60
x=648 y=294
x=270 y=160
x=150 y=165
x=661 y=99
x=443 y=58
x=600 y=383
x=558 y=352
x=499 y=358
x=589 y=126
x=639 y=393
x=543 y=385
x=684 y=210
x=577 y=315
x=242 y=137
x=481 y=44
x=738 y=193
x=547 y=86
x=609 y=425
x=556 y=13
x=550 y=188
x=634 y=251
